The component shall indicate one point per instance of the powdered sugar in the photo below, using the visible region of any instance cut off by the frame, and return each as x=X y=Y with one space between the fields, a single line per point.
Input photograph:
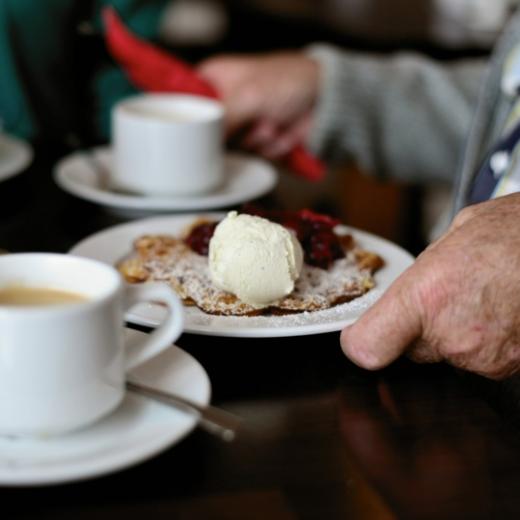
x=343 y=313
x=163 y=258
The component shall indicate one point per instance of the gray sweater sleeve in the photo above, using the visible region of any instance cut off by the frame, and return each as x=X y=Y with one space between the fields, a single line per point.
x=403 y=116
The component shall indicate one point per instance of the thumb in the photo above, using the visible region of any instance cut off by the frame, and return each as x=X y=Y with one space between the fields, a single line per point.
x=386 y=330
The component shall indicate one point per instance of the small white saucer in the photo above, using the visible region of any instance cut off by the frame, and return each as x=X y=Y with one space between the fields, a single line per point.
x=246 y=178
x=137 y=430
x=15 y=156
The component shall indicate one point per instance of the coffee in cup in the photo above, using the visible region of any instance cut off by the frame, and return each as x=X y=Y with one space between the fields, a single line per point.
x=63 y=363
x=21 y=295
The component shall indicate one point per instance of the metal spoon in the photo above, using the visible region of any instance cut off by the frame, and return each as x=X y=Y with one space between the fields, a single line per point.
x=212 y=419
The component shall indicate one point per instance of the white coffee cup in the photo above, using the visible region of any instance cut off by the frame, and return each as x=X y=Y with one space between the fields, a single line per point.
x=167 y=144
x=63 y=366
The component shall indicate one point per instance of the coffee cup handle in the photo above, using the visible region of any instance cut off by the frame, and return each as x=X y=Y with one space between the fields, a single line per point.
x=162 y=337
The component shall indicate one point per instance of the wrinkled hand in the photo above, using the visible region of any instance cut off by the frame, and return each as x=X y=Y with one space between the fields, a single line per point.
x=270 y=97
x=459 y=302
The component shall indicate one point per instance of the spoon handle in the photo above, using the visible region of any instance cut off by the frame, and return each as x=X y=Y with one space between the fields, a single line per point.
x=212 y=419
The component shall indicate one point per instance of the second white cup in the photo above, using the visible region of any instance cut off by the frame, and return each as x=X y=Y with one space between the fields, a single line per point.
x=167 y=144
x=63 y=366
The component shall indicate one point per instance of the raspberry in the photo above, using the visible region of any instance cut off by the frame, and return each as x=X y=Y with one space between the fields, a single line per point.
x=322 y=249
x=198 y=239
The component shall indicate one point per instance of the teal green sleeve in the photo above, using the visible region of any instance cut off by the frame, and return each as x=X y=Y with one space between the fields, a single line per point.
x=14 y=114
x=32 y=37
x=40 y=95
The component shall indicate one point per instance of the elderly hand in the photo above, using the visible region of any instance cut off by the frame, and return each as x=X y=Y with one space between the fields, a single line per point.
x=459 y=302
x=270 y=96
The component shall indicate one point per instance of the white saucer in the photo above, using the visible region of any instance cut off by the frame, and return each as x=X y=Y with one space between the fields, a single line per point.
x=15 y=156
x=246 y=178
x=137 y=430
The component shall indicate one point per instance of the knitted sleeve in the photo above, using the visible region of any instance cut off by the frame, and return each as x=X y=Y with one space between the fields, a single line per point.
x=403 y=116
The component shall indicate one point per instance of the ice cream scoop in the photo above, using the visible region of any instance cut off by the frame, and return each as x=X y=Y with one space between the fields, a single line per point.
x=255 y=259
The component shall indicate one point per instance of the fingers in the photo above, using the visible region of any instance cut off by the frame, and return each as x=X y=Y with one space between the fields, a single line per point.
x=422 y=352
x=386 y=330
x=231 y=76
x=241 y=110
x=496 y=365
x=267 y=140
x=260 y=135
x=222 y=70
x=273 y=141
x=288 y=138
x=278 y=87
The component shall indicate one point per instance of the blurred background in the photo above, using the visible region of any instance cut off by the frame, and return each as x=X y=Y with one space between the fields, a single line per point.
x=443 y=29
x=440 y=26
x=197 y=29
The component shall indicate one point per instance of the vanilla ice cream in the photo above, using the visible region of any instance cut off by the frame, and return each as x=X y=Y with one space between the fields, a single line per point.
x=255 y=259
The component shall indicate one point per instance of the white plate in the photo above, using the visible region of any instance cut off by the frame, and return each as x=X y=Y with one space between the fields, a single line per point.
x=15 y=156
x=246 y=178
x=112 y=244
x=137 y=430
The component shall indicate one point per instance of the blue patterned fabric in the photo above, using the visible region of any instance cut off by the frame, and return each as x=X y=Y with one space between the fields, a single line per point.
x=495 y=167
x=500 y=173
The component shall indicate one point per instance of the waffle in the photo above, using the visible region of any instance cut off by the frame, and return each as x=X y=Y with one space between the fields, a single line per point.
x=164 y=258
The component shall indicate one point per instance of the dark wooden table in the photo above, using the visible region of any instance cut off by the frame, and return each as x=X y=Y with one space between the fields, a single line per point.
x=322 y=438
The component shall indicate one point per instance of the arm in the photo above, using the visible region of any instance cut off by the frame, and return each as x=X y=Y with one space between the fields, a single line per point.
x=402 y=116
